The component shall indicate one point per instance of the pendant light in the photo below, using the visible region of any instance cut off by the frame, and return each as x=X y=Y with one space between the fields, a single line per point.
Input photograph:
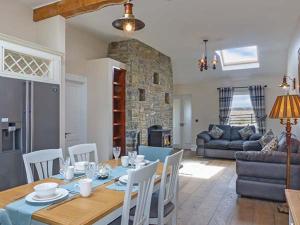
x=128 y=23
x=203 y=61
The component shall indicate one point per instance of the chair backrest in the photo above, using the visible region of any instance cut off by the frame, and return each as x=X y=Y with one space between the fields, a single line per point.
x=169 y=182
x=155 y=153
x=143 y=179
x=43 y=162
x=4 y=219
x=82 y=152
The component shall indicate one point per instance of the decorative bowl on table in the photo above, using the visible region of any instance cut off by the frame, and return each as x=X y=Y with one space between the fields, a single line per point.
x=104 y=171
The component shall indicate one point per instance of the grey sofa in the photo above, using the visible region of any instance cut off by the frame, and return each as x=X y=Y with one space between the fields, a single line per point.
x=262 y=175
x=229 y=143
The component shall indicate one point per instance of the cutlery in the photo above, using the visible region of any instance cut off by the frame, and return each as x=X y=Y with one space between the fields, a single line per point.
x=54 y=205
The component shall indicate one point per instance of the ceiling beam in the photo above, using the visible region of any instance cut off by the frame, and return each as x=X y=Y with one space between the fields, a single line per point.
x=70 y=8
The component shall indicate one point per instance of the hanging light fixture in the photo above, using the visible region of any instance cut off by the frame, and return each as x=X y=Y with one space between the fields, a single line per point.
x=203 y=61
x=128 y=23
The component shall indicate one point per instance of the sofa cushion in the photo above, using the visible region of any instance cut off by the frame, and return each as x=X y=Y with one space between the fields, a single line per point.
x=218 y=144
x=252 y=146
x=234 y=133
x=216 y=132
x=271 y=146
x=295 y=145
x=205 y=136
x=246 y=132
x=266 y=138
x=225 y=128
x=236 y=145
x=255 y=137
x=274 y=157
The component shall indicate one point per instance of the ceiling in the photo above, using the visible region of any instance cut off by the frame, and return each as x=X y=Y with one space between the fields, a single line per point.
x=177 y=27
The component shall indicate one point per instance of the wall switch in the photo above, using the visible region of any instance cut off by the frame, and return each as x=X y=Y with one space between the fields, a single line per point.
x=4 y=120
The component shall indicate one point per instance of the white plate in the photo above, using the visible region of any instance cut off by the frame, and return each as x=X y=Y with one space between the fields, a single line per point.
x=49 y=198
x=62 y=194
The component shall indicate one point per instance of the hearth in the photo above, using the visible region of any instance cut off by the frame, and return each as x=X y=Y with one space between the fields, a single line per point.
x=159 y=137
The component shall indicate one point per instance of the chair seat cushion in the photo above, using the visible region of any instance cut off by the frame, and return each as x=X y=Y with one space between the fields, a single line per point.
x=154 y=207
x=236 y=145
x=217 y=144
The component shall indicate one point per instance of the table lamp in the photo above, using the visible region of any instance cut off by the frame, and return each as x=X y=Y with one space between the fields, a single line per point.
x=287 y=109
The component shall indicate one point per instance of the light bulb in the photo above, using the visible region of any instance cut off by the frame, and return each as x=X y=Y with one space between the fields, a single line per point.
x=129 y=26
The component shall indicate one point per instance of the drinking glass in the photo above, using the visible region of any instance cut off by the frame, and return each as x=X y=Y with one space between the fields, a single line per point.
x=64 y=166
x=116 y=152
x=91 y=170
x=132 y=156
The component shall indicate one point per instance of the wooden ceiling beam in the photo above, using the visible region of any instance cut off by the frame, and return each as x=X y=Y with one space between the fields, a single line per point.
x=70 y=8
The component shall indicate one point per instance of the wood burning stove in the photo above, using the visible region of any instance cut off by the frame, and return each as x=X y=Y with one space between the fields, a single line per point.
x=159 y=137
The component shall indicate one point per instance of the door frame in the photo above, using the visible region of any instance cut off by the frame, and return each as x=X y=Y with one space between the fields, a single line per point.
x=82 y=80
x=185 y=145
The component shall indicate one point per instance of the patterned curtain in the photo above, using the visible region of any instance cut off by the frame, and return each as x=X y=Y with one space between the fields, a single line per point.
x=225 y=100
x=257 y=95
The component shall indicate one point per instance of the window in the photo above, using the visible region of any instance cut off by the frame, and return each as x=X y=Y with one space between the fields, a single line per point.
x=155 y=78
x=239 y=58
x=242 y=113
x=142 y=95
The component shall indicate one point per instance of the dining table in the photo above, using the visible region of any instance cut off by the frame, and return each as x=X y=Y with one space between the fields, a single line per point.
x=101 y=207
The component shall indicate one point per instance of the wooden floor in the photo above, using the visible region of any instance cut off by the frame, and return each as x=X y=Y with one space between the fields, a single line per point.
x=207 y=197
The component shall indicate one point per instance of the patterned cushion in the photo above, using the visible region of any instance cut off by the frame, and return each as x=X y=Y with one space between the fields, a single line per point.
x=225 y=128
x=266 y=138
x=216 y=132
x=246 y=132
x=271 y=146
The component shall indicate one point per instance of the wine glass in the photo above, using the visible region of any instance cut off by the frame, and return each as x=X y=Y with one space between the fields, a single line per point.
x=132 y=156
x=116 y=152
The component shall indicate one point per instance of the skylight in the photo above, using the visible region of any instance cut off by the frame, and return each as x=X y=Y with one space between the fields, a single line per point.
x=239 y=58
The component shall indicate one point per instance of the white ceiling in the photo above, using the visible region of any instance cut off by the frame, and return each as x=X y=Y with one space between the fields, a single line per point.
x=177 y=27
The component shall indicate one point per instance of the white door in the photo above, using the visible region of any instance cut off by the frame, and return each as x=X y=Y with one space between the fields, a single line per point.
x=182 y=121
x=76 y=110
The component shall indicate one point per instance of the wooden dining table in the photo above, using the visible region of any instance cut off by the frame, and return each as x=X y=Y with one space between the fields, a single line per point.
x=101 y=207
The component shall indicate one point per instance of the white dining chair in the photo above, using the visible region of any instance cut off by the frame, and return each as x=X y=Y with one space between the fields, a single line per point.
x=4 y=218
x=143 y=179
x=43 y=162
x=164 y=203
x=82 y=153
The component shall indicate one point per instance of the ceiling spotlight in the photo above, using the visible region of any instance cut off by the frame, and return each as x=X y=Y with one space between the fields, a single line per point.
x=128 y=23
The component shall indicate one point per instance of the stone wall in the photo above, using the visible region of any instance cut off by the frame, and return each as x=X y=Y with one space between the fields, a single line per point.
x=147 y=103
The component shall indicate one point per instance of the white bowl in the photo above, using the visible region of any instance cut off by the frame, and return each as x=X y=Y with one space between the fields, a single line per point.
x=80 y=166
x=139 y=158
x=45 y=189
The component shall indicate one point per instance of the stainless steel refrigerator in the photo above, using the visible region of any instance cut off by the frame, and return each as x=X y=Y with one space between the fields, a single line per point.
x=29 y=121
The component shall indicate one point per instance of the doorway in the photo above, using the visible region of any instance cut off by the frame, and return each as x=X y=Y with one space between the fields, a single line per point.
x=76 y=110
x=182 y=121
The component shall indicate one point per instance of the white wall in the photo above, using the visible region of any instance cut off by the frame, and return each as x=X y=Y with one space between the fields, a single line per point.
x=16 y=20
x=205 y=103
x=80 y=47
x=292 y=65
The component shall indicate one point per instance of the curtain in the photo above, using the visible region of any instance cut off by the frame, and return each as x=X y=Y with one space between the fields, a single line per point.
x=257 y=95
x=225 y=100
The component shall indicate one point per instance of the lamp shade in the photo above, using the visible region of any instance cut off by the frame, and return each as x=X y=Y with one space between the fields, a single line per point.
x=286 y=107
